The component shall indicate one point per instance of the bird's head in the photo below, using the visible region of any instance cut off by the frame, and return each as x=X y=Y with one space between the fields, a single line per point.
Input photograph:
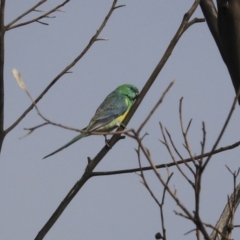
x=129 y=90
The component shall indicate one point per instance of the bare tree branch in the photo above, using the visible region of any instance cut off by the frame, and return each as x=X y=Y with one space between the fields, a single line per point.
x=64 y=71
x=223 y=128
x=194 y=218
x=162 y=203
x=171 y=164
x=144 y=181
x=185 y=132
x=45 y=15
x=2 y=34
x=92 y=164
x=223 y=222
x=24 y=14
x=21 y=84
x=195 y=20
x=155 y=107
x=163 y=60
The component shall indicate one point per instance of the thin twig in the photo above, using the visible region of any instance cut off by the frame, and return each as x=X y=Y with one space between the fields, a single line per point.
x=155 y=107
x=144 y=182
x=204 y=139
x=24 y=14
x=172 y=156
x=180 y=156
x=232 y=202
x=185 y=132
x=162 y=203
x=197 y=222
x=169 y=164
x=92 y=164
x=163 y=60
x=195 y=20
x=33 y=128
x=224 y=220
x=223 y=128
x=22 y=85
x=151 y=192
x=11 y=26
x=91 y=42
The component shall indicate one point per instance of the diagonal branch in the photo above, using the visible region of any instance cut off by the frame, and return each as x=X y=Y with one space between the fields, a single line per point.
x=223 y=129
x=168 y=52
x=11 y=26
x=92 y=164
x=24 y=14
x=187 y=214
x=155 y=107
x=224 y=220
x=64 y=71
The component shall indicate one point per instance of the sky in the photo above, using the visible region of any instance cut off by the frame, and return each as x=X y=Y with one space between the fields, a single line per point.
x=118 y=206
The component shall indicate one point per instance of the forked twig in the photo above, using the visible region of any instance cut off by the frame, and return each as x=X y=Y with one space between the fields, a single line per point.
x=185 y=132
x=223 y=128
x=22 y=85
x=168 y=164
x=179 y=155
x=155 y=107
x=188 y=215
x=64 y=71
x=92 y=164
x=37 y=19
x=24 y=14
x=172 y=156
x=222 y=226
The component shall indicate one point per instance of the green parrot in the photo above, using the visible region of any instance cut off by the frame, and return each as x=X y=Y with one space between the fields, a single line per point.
x=109 y=114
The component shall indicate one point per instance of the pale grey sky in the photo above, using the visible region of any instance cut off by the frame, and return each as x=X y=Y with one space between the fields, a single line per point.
x=110 y=207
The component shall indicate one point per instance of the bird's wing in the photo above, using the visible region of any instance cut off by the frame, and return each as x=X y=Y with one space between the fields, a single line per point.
x=112 y=107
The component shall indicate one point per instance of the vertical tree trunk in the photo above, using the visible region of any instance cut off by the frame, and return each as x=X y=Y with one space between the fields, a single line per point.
x=2 y=33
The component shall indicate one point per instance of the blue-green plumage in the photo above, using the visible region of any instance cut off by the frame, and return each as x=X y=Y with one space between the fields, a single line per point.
x=109 y=114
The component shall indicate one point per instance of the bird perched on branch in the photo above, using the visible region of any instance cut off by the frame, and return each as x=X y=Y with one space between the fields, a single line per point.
x=109 y=114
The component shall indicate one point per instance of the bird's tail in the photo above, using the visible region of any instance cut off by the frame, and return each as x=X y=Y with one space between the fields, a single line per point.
x=78 y=137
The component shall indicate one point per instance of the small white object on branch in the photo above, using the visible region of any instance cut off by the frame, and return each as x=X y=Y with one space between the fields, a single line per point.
x=18 y=78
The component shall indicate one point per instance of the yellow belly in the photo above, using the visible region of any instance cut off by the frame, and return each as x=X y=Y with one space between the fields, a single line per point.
x=117 y=121
x=122 y=117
